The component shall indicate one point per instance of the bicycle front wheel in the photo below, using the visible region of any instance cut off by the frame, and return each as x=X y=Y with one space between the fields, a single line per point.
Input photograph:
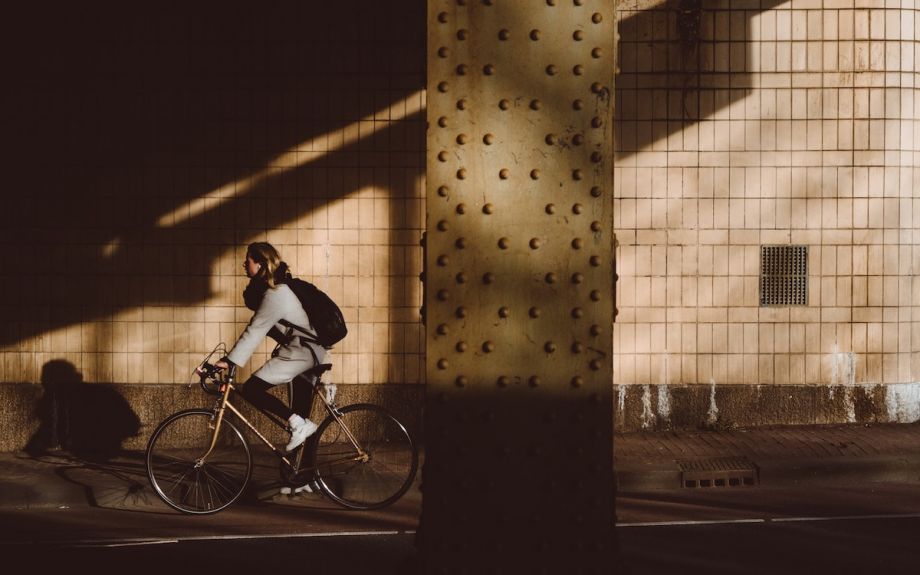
x=372 y=479
x=181 y=474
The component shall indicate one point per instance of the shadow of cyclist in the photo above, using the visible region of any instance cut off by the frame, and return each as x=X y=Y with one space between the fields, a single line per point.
x=88 y=421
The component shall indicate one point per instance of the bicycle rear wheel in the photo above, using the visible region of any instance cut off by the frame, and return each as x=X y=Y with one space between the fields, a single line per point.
x=379 y=478
x=177 y=473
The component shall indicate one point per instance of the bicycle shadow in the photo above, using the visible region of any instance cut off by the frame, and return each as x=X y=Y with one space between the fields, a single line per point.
x=81 y=431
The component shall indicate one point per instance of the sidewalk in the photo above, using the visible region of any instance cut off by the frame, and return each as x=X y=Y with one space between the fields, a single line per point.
x=768 y=457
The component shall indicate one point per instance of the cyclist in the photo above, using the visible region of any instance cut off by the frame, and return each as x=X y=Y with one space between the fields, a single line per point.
x=273 y=301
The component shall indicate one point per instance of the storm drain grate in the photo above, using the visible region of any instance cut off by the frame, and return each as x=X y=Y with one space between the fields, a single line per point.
x=718 y=472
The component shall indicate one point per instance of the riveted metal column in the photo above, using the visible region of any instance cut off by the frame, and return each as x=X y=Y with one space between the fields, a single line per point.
x=519 y=472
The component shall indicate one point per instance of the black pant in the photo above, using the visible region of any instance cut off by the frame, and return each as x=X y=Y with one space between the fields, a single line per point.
x=256 y=391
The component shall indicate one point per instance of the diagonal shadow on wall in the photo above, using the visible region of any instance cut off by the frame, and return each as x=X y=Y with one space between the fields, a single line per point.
x=120 y=115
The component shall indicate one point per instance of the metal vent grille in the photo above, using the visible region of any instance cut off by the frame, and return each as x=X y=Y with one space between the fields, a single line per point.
x=718 y=472
x=783 y=275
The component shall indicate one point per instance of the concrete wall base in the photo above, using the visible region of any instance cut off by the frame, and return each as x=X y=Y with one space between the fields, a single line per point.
x=111 y=416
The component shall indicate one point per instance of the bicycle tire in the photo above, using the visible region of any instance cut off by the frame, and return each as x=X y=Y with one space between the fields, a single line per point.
x=177 y=477
x=389 y=470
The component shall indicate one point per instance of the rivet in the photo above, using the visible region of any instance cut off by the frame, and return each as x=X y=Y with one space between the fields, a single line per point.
x=534 y=174
x=461 y=381
x=596 y=191
x=594 y=261
x=597 y=18
x=503 y=243
x=461 y=278
x=461 y=70
x=443 y=190
x=488 y=69
x=460 y=243
x=577 y=278
x=442 y=121
x=488 y=209
x=462 y=139
x=550 y=208
x=578 y=35
x=549 y=346
x=550 y=2
x=442 y=17
x=534 y=35
x=503 y=381
x=577 y=243
x=503 y=34
x=578 y=139
x=550 y=278
x=577 y=209
x=461 y=208
x=578 y=105
x=595 y=295
x=596 y=87
x=461 y=174
x=595 y=226
x=577 y=312
x=461 y=104
x=443 y=52
x=462 y=34
x=460 y=312
x=595 y=364
x=551 y=70
x=577 y=381
x=535 y=243
x=595 y=330
x=504 y=104
x=443 y=226
x=503 y=173
x=443 y=261
x=596 y=53
x=503 y=312
x=488 y=347
x=534 y=381
x=461 y=346
x=577 y=174
x=442 y=87
x=577 y=2
x=488 y=278
x=442 y=363
x=550 y=139
x=443 y=295
x=596 y=122
x=597 y=157
x=536 y=104
x=487 y=2
x=442 y=156
x=488 y=139
x=534 y=312
x=442 y=329
x=578 y=70
x=577 y=347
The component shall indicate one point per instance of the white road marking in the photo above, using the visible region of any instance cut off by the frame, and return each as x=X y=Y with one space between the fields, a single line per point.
x=768 y=520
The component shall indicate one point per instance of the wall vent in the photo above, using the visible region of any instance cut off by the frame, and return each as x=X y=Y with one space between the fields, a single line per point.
x=783 y=275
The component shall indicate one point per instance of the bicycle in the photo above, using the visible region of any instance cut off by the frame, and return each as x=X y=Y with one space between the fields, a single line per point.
x=199 y=461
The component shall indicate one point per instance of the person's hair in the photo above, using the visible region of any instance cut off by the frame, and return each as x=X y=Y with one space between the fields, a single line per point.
x=267 y=256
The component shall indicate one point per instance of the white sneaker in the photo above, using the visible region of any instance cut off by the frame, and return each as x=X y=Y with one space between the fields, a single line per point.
x=300 y=431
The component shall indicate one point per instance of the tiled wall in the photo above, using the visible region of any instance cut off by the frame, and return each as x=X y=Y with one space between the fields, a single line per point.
x=776 y=123
x=155 y=149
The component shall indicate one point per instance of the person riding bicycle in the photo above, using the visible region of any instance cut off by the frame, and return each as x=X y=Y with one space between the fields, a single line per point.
x=273 y=301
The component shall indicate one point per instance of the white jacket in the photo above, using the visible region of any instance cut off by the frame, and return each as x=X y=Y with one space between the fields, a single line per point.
x=279 y=303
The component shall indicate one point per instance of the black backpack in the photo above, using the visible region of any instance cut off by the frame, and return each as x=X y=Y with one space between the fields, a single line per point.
x=325 y=317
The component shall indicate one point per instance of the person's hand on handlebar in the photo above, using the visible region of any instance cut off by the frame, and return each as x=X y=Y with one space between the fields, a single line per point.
x=222 y=364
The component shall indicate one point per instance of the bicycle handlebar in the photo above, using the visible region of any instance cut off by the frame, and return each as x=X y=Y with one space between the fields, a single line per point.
x=207 y=371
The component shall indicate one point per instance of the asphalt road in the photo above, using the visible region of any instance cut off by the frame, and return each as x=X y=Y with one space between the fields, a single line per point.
x=856 y=529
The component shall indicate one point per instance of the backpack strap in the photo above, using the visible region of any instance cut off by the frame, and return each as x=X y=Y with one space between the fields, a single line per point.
x=308 y=335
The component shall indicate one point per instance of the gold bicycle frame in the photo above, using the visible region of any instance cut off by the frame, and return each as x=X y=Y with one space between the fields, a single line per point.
x=225 y=404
